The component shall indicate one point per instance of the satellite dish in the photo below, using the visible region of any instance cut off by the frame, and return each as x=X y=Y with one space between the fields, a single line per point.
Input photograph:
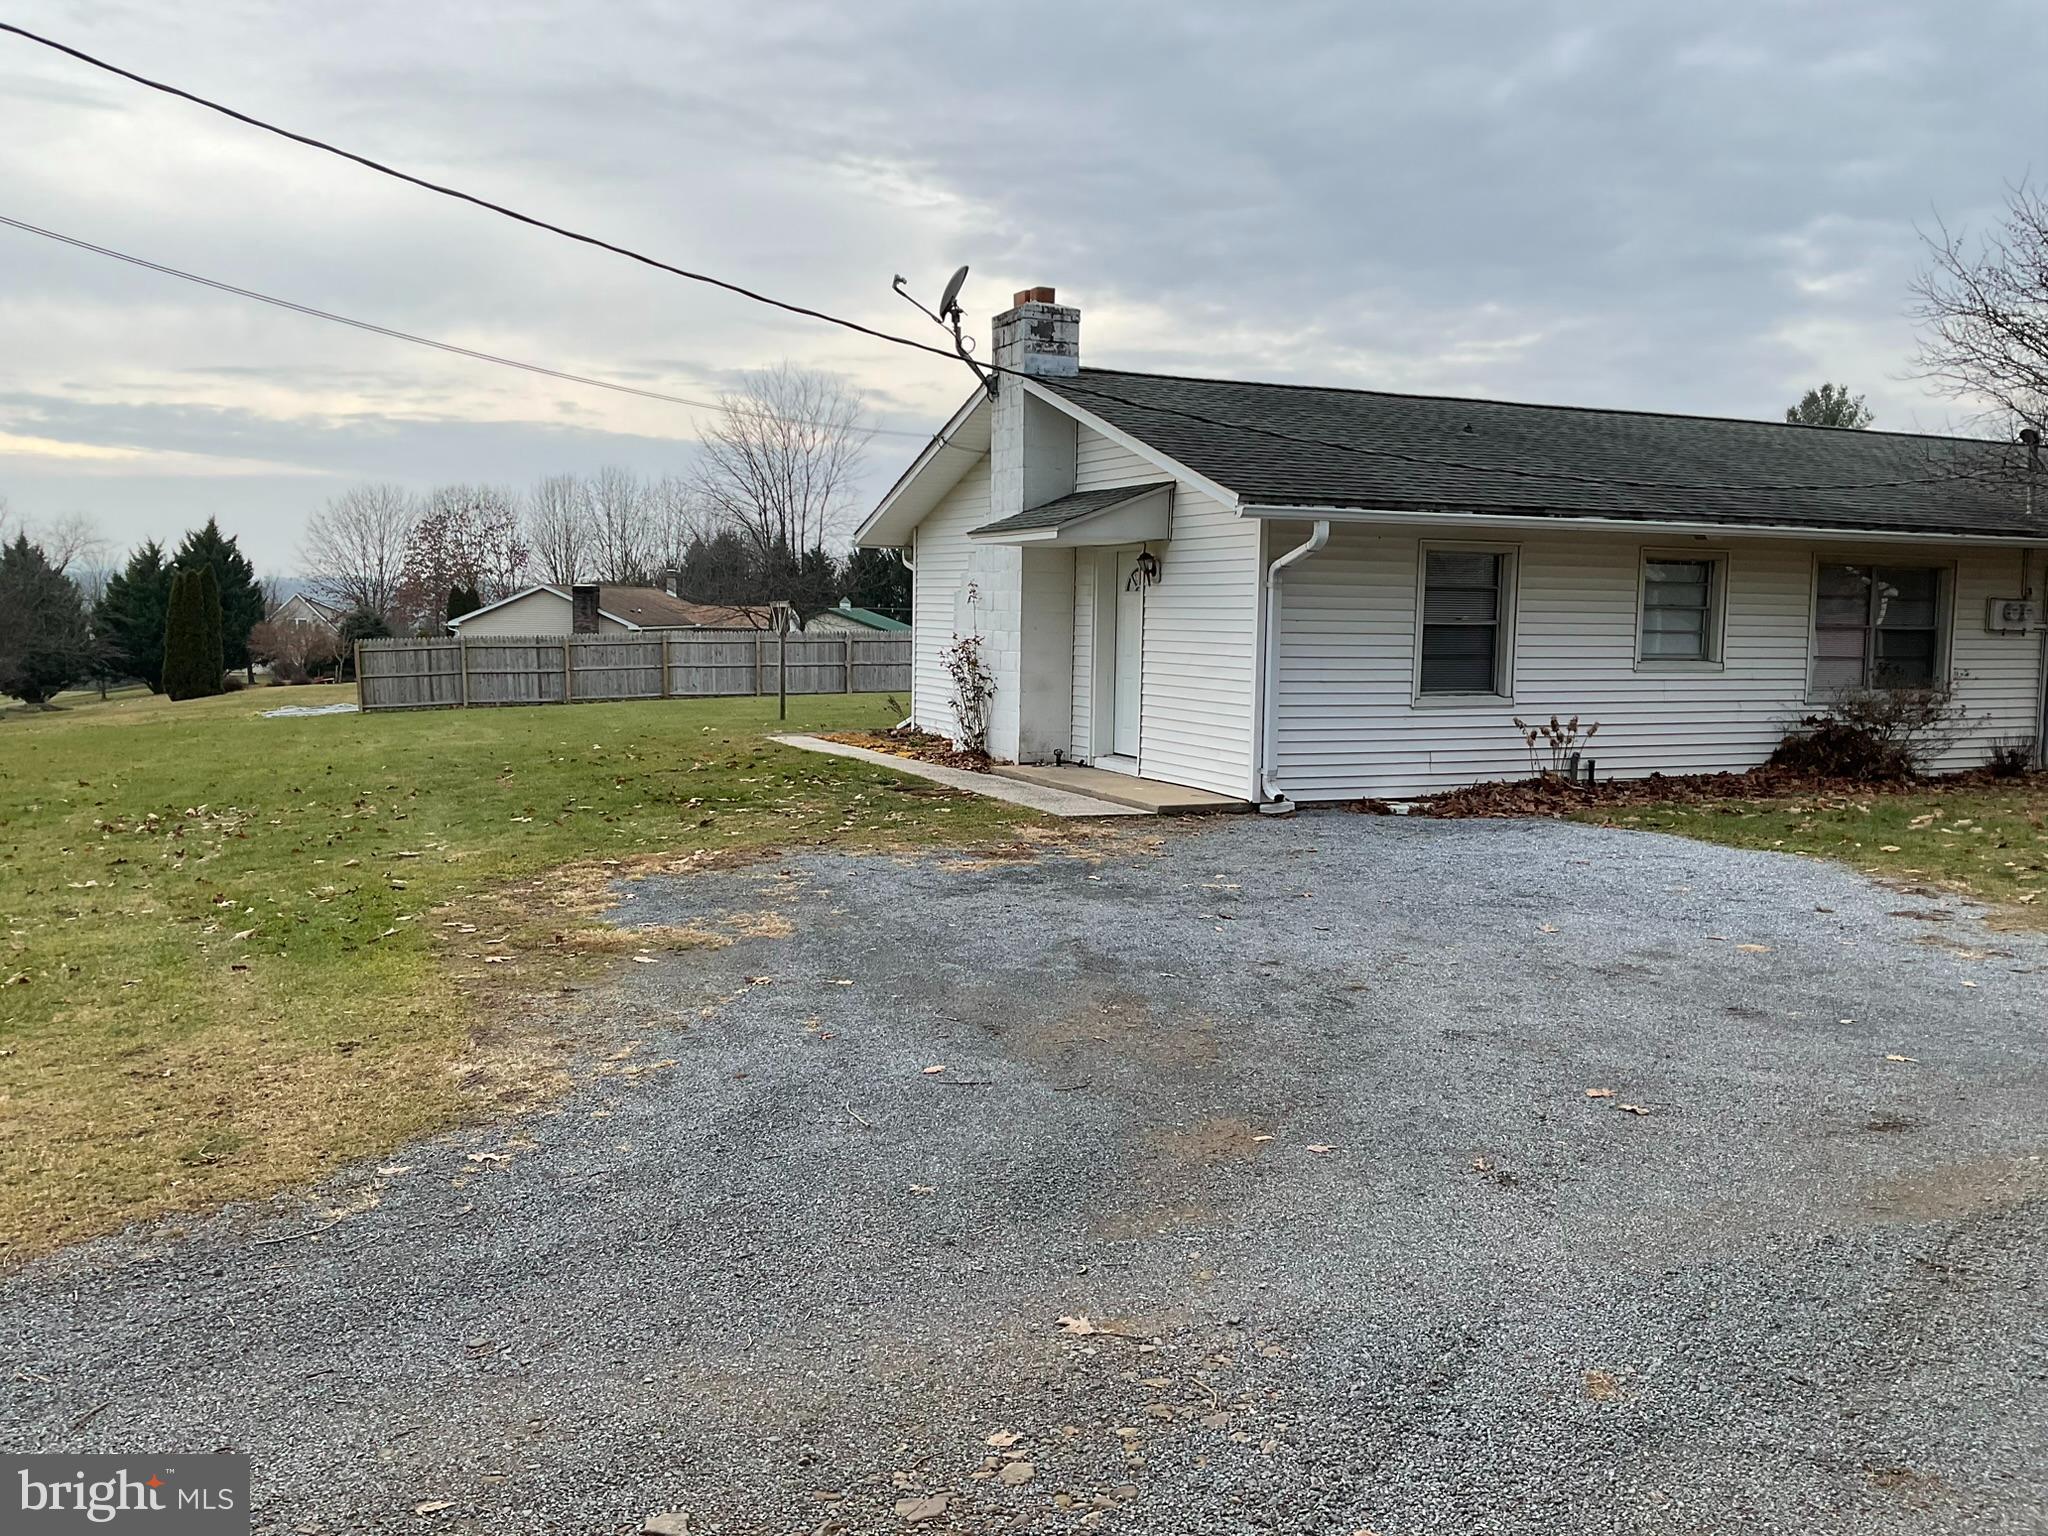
x=949 y=301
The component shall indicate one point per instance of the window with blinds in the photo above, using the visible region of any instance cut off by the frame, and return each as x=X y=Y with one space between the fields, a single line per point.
x=1463 y=602
x=1680 y=618
x=1877 y=626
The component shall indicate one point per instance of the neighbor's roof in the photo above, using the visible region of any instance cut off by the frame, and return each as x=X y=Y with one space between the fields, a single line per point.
x=866 y=616
x=1070 y=509
x=1372 y=451
x=642 y=608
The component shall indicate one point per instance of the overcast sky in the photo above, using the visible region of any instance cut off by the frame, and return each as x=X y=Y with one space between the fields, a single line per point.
x=1689 y=208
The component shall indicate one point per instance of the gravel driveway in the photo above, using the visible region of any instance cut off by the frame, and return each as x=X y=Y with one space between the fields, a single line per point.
x=1290 y=1121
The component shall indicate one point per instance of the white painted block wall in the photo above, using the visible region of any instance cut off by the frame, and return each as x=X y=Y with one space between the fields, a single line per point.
x=1350 y=725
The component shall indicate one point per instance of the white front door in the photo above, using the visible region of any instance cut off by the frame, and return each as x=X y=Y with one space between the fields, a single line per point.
x=1129 y=653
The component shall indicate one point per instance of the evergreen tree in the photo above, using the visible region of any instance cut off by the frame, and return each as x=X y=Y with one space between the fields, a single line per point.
x=878 y=579
x=241 y=596
x=361 y=624
x=45 y=639
x=213 y=641
x=1830 y=406
x=463 y=600
x=192 y=629
x=129 y=616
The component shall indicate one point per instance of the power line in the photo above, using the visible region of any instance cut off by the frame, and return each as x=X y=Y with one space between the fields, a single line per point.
x=423 y=341
x=1200 y=418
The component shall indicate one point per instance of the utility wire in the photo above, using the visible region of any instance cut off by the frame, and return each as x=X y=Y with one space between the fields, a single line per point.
x=423 y=341
x=1200 y=418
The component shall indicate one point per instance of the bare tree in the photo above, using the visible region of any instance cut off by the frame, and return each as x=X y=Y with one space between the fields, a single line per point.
x=1984 y=306
x=465 y=535
x=354 y=550
x=621 y=531
x=781 y=458
x=675 y=520
x=558 y=530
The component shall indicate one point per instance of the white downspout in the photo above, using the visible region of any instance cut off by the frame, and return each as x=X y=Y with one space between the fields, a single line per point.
x=910 y=565
x=1275 y=802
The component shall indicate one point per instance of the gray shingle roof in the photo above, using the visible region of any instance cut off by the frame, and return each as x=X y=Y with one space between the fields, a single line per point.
x=1433 y=453
x=1068 y=509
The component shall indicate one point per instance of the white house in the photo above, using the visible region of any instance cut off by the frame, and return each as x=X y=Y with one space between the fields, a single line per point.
x=550 y=610
x=1286 y=592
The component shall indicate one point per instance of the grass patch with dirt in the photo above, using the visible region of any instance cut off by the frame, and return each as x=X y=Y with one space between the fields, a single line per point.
x=1983 y=838
x=236 y=952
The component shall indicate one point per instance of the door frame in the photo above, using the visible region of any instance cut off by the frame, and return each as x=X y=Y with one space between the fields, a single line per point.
x=1102 y=712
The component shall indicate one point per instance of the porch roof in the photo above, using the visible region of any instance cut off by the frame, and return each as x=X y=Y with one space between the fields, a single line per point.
x=1064 y=510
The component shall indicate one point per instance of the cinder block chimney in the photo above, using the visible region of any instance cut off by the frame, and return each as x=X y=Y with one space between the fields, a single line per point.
x=583 y=609
x=1037 y=336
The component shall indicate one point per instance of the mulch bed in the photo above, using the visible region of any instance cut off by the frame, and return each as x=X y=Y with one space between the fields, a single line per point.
x=922 y=745
x=1557 y=797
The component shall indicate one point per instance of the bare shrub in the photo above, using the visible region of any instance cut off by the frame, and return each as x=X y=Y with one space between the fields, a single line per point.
x=1874 y=734
x=2011 y=757
x=974 y=686
x=1559 y=742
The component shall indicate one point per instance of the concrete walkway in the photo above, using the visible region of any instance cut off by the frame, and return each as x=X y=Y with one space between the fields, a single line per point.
x=1037 y=797
x=1150 y=795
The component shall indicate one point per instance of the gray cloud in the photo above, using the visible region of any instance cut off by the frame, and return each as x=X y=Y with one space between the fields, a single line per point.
x=1680 y=208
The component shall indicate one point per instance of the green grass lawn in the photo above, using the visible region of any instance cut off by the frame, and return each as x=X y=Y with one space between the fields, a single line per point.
x=238 y=952
x=1988 y=840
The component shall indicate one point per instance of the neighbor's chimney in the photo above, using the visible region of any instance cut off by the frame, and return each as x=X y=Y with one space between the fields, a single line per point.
x=1036 y=335
x=583 y=609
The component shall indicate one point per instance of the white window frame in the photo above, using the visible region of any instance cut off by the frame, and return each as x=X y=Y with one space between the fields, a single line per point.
x=1503 y=690
x=1947 y=574
x=1717 y=608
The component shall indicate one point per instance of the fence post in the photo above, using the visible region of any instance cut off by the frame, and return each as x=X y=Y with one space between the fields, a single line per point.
x=849 y=662
x=568 y=669
x=664 y=663
x=462 y=656
x=362 y=693
x=757 y=664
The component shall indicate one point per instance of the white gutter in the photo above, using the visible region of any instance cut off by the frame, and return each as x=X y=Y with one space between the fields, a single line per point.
x=1566 y=522
x=1269 y=724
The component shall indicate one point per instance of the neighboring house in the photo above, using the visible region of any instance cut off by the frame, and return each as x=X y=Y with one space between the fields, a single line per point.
x=308 y=611
x=1286 y=592
x=847 y=619
x=549 y=610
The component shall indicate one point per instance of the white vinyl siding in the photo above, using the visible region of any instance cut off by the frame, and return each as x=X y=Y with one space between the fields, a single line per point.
x=1350 y=724
x=1099 y=462
x=942 y=553
x=1082 y=719
x=1198 y=698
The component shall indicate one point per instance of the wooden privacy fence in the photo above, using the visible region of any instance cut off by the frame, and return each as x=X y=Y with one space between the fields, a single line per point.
x=456 y=672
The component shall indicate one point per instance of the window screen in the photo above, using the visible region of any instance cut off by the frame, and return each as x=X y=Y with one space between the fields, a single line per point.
x=1678 y=610
x=1461 y=606
x=1877 y=626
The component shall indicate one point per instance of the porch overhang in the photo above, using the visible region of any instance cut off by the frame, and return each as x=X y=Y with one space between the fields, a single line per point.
x=1113 y=515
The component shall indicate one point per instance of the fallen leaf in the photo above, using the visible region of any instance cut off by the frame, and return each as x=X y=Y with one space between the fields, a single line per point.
x=934 y=1071
x=670 y=1522
x=1599 y=1093
x=433 y=1506
x=1546 y=927
x=1914 y=1060
x=643 y=959
x=497 y=959
x=930 y=1507
x=1887 y=847
x=759 y=981
x=1320 y=1149
x=238 y=937
x=1078 y=1325
x=1754 y=949
x=1633 y=1109
x=1003 y=1439
x=1602 y=1386
x=926 y=1189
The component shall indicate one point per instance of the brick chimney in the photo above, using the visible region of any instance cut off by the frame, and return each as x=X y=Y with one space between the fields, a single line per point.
x=583 y=609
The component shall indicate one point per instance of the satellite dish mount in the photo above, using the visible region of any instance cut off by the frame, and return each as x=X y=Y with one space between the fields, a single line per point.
x=947 y=317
